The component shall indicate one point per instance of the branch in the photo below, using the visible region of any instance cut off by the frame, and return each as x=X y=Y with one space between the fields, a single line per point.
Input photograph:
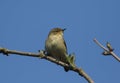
x=42 y=55
x=108 y=50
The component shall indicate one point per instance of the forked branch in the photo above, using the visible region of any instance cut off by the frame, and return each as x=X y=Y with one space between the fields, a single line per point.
x=108 y=50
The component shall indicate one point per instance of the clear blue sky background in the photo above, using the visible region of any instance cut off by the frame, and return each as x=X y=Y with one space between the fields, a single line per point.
x=24 y=26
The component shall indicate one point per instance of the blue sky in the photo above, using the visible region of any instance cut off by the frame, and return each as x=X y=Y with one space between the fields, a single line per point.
x=24 y=26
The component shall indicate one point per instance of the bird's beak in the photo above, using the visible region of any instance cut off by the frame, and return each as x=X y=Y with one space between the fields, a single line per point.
x=63 y=29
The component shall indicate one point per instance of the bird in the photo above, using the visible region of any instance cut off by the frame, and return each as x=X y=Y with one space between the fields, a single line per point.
x=55 y=46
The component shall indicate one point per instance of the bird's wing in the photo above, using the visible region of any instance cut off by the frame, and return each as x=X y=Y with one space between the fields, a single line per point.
x=65 y=46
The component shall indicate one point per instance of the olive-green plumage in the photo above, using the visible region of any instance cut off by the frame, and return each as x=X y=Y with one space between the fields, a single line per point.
x=55 y=45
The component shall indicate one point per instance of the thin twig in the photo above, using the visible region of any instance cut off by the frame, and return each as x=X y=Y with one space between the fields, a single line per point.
x=107 y=50
x=98 y=43
x=43 y=56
